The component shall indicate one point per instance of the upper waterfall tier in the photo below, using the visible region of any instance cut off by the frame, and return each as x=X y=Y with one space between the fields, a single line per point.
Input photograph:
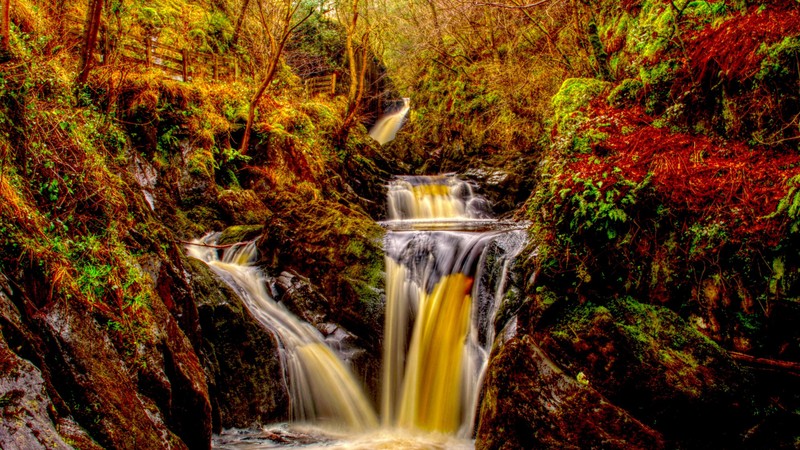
x=440 y=197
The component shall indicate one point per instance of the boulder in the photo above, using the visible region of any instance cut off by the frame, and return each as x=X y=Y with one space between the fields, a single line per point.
x=99 y=389
x=531 y=403
x=241 y=358
x=648 y=360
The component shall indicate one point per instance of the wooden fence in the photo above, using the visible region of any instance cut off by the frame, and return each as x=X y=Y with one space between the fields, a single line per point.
x=182 y=63
x=187 y=65
x=325 y=84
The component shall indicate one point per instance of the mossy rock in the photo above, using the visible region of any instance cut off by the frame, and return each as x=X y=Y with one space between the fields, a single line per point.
x=240 y=233
x=338 y=251
x=575 y=93
x=626 y=92
x=243 y=207
x=531 y=403
x=649 y=360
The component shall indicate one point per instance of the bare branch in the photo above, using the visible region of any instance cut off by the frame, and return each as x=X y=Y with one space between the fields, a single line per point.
x=504 y=6
x=198 y=244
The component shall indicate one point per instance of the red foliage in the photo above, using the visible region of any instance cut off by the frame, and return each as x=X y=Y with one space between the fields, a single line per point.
x=631 y=6
x=732 y=48
x=693 y=175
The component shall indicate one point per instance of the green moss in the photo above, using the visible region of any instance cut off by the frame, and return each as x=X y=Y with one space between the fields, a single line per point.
x=706 y=237
x=626 y=92
x=654 y=27
x=575 y=93
x=662 y=72
x=583 y=142
x=200 y=162
x=706 y=10
x=240 y=233
x=790 y=204
x=653 y=336
x=779 y=58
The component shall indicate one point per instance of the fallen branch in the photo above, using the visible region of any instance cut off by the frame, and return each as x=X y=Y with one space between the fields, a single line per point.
x=767 y=363
x=504 y=6
x=213 y=245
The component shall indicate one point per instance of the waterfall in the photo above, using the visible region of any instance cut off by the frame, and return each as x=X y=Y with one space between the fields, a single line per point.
x=321 y=387
x=447 y=262
x=385 y=129
x=440 y=304
x=434 y=199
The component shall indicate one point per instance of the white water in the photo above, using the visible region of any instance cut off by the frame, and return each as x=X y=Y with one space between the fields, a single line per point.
x=321 y=387
x=433 y=199
x=437 y=286
x=385 y=129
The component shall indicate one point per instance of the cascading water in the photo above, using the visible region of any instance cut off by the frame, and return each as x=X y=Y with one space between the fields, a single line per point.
x=446 y=267
x=322 y=389
x=436 y=288
x=385 y=129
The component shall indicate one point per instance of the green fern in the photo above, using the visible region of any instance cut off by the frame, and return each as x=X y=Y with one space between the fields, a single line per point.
x=790 y=204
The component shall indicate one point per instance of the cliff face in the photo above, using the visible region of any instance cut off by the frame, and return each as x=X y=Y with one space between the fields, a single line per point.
x=66 y=381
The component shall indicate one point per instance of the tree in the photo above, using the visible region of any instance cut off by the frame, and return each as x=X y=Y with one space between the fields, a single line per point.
x=349 y=13
x=239 y=22
x=93 y=18
x=5 y=36
x=277 y=27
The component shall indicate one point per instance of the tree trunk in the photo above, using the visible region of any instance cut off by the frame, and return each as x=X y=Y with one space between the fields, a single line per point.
x=599 y=52
x=239 y=22
x=251 y=110
x=5 y=35
x=352 y=64
x=354 y=105
x=93 y=18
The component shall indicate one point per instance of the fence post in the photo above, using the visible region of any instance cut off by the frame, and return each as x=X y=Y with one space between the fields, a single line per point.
x=147 y=50
x=214 y=67
x=333 y=83
x=185 y=61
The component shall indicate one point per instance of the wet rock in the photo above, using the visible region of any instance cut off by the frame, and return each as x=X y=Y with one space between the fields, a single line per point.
x=173 y=365
x=176 y=294
x=301 y=298
x=86 y=372
x=503 y=189
x=99 y=394
x=242 y=360
x=530 y=403
x=24 y=405
x=342 y=342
